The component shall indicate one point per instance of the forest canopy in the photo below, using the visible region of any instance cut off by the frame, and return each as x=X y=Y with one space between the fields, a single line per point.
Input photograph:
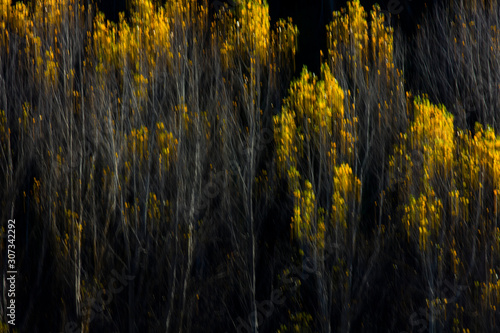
x=168 y=172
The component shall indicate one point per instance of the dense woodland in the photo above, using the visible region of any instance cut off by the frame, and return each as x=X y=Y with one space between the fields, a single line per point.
x=169 y=172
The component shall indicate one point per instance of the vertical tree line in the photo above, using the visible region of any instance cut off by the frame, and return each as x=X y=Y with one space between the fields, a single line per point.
x=167 y=173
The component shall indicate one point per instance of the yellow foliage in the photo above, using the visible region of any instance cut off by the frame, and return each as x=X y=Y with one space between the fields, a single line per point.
x=468 y=165
x=36 y=190
x=381 y=42
x=423 y=214
x=284 y=41
x=183 y=115
x=430 y=141
x=347 y=189
x=104 y=41
x=141 y=84
x=304 y=211
x=167 y=147
x=50 y=68
x=248 y=31
x=312 y=112
x=479 y=165
x=284 y=136
x=490 y=291
x=20 y=20
x=487 y=152
x=432 y=132
x=152 y=29
x=153 y=208
x=360 y=48
x=349 y=31
x=138 y=143
x=51 y=12
x=5 y=7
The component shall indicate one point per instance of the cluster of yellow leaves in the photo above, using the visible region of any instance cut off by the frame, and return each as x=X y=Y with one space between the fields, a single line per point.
x=299 y=322
x=72 y=216
x=245 y=33
x=141 y=84
x=321 y=229
x=301 y=100
x=142 y=44
x=14 y=20
x=495 y=39
x=4 y=8
x=19 y=19
x=312 y=112
x=439 y=305
x=487 y=153
x=36 y=190
x=104 y=41
x=167 y=146
x=50 y=68
x=349 y=31
x=284 y=42
x=254 y=21
x=284 y=136
x=362 y=49
x=182 y=113
x=468 y=164
x=248 y=31
x=147 y=39
x=188 y=14
x=347 y=189
x=153 y=208
x=145 y=43
x=349 y=39
x=138 y=143
x=304 y=211
x=26 y=115
x=479 y=167
x=432 y=133
x=151 y=28
x=52 y=12
x=381 y=42
x=490 y=291
x=130 y=211
x=44 y=33
x=431 y=137
x=459 y=204
x=455 y=259
x=423 y=213
x=313 y=119
x=293 y=177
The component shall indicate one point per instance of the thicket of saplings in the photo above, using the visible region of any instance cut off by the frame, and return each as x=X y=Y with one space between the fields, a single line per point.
x=168 y=174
